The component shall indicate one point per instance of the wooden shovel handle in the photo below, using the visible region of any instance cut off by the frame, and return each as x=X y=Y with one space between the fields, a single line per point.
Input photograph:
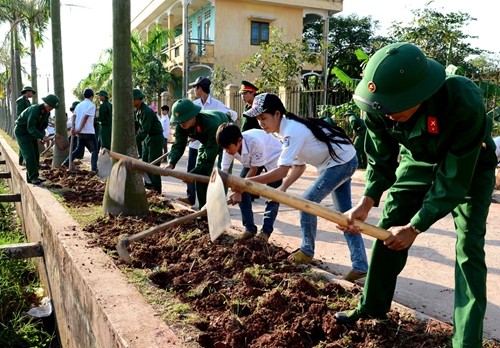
x=164 y=226
x=299 y=203
x=141 y=166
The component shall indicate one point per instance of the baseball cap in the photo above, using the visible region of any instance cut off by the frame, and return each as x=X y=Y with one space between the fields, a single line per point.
x=265 y=102
x=201 y=81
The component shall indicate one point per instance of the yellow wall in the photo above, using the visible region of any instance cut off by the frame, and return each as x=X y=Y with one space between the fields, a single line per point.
x=232 y=30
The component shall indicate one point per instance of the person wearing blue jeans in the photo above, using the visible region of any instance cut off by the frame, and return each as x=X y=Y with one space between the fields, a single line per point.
x=255 y=149
x=315 y=142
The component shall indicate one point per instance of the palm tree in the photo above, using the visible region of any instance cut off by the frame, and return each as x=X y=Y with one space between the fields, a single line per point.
x=123 y=132
x=149 y=73
x=35 y=17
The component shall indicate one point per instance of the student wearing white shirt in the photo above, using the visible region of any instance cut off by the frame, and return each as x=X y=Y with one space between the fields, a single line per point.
x=329 y=149
x=84 y=129
x=254 y=148
x=165 y=123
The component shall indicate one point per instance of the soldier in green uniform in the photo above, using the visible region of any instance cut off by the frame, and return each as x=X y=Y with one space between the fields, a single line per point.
x=248 y=91
x=437 y=123
x=22 y=103
x=191 y=122
x=29 y=129
x=104 y=119
x=150 y=134
x=358 y=126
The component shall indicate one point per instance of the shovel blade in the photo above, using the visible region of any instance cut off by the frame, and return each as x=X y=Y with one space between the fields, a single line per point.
x=217 y=211
x=104 y=165
x=116 y=183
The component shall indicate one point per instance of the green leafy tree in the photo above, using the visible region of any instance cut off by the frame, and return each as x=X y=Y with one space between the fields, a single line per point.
x=220 y=77
x=123 y=133
x=279 y=62
x=441 y=36
x=347 y=35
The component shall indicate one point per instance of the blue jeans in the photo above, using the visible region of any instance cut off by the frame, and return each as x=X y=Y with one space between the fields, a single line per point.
x=270 y=213
x=337 y=181
x=88 y=141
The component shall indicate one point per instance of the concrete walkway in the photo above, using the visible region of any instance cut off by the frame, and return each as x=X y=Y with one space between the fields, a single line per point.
x=427 y=282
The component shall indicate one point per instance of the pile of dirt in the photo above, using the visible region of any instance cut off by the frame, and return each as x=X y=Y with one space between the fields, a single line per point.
x=245 y=293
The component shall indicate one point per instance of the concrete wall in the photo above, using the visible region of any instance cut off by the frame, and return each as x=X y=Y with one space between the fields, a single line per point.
x=93 y=302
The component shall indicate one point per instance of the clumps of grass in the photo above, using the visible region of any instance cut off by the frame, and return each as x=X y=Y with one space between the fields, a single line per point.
x=19 y=288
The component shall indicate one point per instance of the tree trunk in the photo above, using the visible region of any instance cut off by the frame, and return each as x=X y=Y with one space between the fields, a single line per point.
x=15 y=83
x=57 y=63
x=123 y=131
x=34 y=74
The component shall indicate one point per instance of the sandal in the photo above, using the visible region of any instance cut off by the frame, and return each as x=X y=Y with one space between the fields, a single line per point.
x=299 y=257
x=352 y=276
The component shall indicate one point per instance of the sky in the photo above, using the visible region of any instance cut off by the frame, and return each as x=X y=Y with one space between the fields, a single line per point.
x=86 y=31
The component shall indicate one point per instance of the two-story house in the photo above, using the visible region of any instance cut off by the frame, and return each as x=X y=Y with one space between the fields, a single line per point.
x=210 y=33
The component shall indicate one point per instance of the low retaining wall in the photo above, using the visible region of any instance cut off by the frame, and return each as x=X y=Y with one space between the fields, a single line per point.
x=94 y=304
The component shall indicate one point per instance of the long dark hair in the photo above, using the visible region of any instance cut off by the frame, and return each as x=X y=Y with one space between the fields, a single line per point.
x=317 y=126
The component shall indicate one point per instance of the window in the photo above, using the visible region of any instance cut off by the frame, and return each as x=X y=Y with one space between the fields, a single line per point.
x=206 y=30
x=260 y=33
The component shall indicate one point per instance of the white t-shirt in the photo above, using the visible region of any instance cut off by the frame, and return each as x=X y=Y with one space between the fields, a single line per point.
x=497 y=151
x=86 y=107
x=216 y=105
x=165 y=123
x=257 y=149
x=301 y=147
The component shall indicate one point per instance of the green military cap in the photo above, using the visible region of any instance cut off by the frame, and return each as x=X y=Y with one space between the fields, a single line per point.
x=51 y=100
x=183 y=110
x=73 y=105
x=137 y=94
x=103 y=93
x=396 y=78
x=28 y=88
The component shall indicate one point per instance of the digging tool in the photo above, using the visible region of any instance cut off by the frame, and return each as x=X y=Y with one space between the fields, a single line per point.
x=297 y=203
x=104 y=163
x=124 y=242
x=218 y=213
x=147 y=180
x=118 y=177
x=47 y=148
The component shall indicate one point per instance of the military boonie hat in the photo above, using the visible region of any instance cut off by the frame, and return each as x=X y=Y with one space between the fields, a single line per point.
x=103 y=93
x=183 y=110
x=201 y=81
x=349 y=113
x=137 y=94
x=265 y=102
x=247 y=86
x=396 y=78
x=51 y=100
x=28 y=88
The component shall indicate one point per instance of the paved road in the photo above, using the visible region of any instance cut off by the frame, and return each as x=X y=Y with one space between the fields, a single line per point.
x=427 y=282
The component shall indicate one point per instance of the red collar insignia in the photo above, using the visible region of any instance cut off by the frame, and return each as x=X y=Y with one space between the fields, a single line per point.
x=198 y=128
x=432 y=125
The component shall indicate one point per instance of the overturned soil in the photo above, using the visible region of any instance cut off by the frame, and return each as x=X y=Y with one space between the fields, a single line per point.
x=245 y=294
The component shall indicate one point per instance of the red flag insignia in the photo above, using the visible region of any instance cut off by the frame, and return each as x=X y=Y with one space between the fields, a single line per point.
x=432 y=125
x=198 y=128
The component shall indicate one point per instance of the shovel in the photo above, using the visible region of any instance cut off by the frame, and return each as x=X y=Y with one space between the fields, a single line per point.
x=118 y=177
x=298 y=203
x=124 y=242
x=104 y=163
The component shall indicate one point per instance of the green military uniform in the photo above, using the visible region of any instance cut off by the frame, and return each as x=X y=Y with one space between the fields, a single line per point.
x=22 y=103
x=249 y=122
x=30 y=128
x=150 y=134
x=204 y=130
x=358 y=126
x=104 y=119
x=447 y=166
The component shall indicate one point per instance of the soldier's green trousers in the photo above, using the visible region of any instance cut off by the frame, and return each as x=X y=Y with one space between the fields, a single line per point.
x=470 y=268
x=28 y=147
x=105 y=137
x=152 y=149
